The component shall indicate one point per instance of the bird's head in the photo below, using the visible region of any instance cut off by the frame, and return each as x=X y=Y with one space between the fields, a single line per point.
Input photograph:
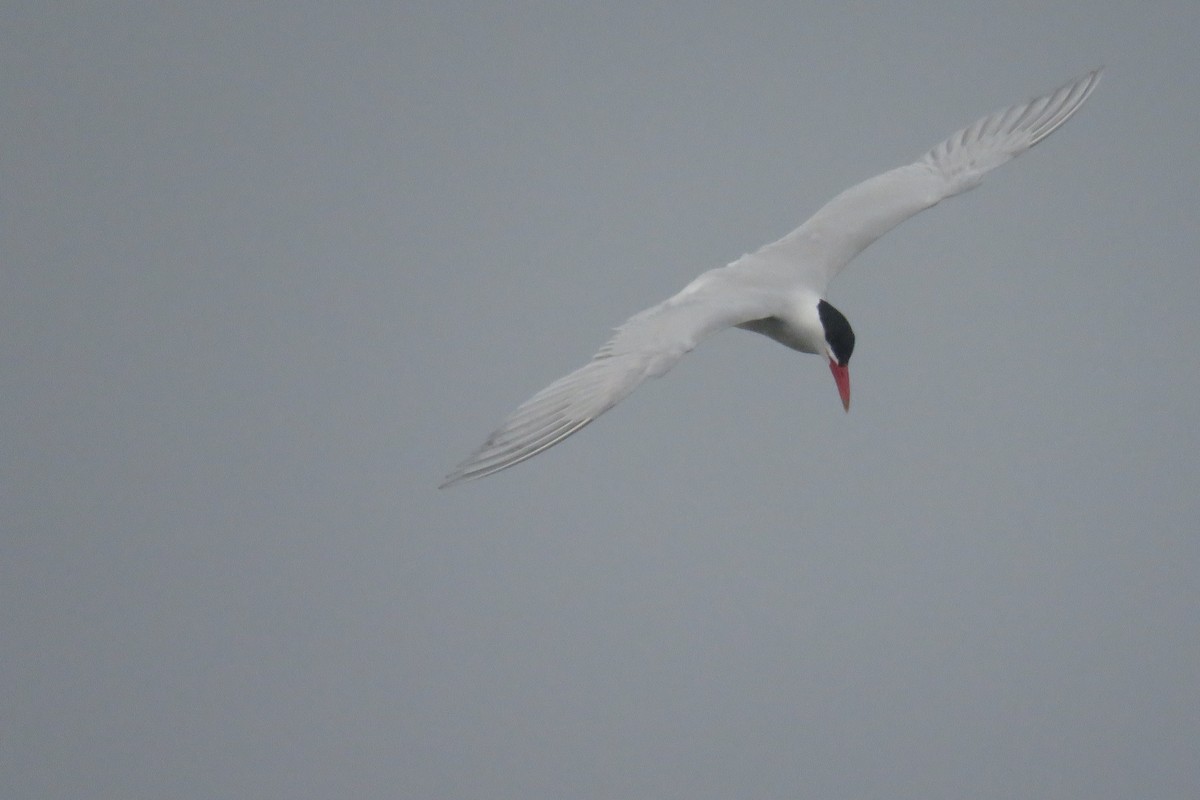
x=839 y=344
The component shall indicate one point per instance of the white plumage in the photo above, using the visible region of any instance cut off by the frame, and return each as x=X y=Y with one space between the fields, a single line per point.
x=777 y=290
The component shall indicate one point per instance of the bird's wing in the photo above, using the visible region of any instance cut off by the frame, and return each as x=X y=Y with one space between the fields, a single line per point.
x=854 y=219
x=646 y=346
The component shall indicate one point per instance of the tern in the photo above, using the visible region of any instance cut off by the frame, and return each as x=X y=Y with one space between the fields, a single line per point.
x=778 y=290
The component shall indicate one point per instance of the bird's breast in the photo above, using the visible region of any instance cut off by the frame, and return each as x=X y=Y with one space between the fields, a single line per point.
x=797 y=337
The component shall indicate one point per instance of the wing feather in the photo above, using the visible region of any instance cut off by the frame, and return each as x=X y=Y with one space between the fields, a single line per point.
x=850 y=222
x=646 y=346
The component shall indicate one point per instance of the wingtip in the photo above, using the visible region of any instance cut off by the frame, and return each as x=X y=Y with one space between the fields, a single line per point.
x=1088 y=81
x=453 y=479
x=1092 y=78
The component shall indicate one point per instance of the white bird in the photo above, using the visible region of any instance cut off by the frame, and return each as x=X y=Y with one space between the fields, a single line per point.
x=779 y=290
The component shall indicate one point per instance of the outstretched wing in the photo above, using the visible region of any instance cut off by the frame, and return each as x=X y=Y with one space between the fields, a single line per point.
x=646 y=346
x=854 y=219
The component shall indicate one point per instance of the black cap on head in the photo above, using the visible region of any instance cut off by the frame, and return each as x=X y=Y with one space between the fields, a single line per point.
x=838 y=334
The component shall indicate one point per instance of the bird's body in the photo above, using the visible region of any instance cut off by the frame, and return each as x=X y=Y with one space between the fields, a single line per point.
x=779 y=290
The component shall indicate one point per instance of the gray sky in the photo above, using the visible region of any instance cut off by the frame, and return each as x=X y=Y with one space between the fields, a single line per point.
x=268 y=274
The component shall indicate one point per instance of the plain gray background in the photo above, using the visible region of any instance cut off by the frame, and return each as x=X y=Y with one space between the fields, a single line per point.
x=268 y=273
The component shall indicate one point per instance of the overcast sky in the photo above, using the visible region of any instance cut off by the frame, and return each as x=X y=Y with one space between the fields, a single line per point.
x=268 y=271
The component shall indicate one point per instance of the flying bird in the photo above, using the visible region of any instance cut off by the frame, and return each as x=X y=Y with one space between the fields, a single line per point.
x=778 y=290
